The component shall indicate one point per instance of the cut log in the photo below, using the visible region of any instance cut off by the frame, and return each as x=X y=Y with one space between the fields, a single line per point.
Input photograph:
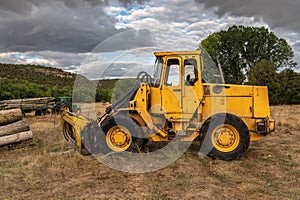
x=30 y=104
x=29 y=100
x=18 y=137
x=16 y=127
x=3 y=106
x=10 y=116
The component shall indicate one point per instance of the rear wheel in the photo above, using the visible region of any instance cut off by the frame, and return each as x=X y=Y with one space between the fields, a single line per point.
x=226 y=137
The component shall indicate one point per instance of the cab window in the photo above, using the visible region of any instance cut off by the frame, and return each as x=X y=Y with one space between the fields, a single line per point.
x=209 y=70
x=190 y=72
x=172 y=73
x=157 y=72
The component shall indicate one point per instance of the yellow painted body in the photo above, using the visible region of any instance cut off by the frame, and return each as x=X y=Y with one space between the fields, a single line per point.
x=250 y=103
x=188 y=107
x=77 y=122
x=178 y=104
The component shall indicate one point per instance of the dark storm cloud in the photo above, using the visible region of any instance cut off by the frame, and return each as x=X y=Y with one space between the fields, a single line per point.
x=277 y=13
x=126 y=40
x=25 y=6
x=128 y=2
x=54 y=25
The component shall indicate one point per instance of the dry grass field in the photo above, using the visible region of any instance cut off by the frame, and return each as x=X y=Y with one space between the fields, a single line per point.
x=269 y=170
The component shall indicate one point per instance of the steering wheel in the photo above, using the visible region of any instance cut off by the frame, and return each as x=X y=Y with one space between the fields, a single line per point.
x=144 y=77
x=140 y=74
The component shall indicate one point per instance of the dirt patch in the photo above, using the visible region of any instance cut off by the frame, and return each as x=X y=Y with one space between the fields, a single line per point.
x=269 y=170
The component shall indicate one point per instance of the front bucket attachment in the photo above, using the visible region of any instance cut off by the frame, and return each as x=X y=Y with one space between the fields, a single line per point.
x=85 y=134
x=72 y=125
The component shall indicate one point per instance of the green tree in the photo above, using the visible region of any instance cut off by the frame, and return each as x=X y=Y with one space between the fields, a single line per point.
x=290 y=87
x=121 y=87
x=240 y=48
x=103 y=95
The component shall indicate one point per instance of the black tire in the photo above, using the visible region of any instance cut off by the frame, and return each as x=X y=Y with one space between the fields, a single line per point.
x=38 y=113
x=94 y=138
x=46 y=112
x=124 y=122
x=225 y=137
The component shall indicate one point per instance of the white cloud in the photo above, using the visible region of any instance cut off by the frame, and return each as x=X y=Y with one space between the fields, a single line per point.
x=177 y=25
x=170 y=25
x=26 y=58
x=46 y=58
x=114 y=10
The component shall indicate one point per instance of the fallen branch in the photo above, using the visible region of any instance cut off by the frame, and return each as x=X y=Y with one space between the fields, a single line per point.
x=59 y=153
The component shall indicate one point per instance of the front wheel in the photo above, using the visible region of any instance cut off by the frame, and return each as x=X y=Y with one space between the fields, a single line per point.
x=123 y=134
x=115 y=134
x=226 y=137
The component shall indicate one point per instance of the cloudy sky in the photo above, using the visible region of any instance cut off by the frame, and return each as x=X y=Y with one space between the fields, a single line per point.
x=118 y=37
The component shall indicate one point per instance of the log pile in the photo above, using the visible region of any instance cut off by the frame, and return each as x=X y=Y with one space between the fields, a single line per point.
x=30 y=103
x=13 y=128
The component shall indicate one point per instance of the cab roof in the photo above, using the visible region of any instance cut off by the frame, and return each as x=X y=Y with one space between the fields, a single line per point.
x=177 y=53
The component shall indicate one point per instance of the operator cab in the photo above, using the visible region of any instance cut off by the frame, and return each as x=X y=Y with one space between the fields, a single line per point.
x=189 y=65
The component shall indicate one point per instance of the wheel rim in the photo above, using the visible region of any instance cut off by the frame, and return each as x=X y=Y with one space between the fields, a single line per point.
x=225 y=138
x=118 y=138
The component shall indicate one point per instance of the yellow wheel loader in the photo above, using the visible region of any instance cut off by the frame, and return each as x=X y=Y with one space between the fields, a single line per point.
x=185 y=100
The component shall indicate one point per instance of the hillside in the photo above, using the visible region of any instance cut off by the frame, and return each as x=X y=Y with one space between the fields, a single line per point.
x=37 y=74
x=30 y=81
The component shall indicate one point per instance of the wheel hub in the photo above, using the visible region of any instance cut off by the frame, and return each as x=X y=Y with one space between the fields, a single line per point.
x=225 y=137
x=118 y=139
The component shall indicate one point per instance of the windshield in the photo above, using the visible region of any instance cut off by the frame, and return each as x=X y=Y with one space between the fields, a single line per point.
x=157 y=72
x=209 y=70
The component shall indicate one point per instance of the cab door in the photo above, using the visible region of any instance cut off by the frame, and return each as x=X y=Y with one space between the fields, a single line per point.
x=192 y=90
x=181 y=88
x=171 y=88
